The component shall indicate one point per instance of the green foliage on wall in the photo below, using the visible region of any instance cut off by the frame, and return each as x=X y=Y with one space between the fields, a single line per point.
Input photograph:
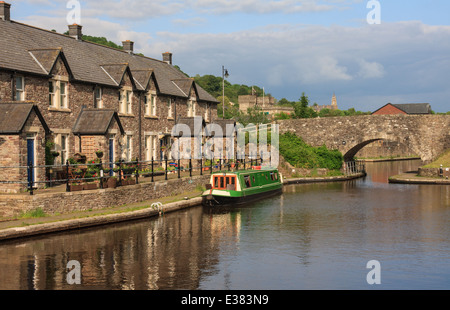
x=301 y=155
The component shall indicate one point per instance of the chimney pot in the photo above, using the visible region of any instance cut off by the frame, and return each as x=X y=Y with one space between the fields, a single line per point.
x=167 y=58
x=5 y=11
x=128 y=46
x=75 y=31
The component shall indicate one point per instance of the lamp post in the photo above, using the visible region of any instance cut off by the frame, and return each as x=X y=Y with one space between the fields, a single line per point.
x=224 y=75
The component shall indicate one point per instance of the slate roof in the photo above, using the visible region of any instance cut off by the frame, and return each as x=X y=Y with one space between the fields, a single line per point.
x=414 y=108
x=411 y=108
x=190 y=122
x=32 y=50
x=95 y=122
x=223 y=124
x=13 y=117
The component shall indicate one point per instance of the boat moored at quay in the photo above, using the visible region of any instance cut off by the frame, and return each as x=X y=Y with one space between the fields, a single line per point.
x=243 y=186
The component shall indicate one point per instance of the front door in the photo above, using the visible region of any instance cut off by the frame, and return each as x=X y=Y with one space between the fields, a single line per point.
x=31 y=160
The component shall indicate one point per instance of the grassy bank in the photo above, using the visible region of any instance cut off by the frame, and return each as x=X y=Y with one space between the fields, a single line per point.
x=443 y=160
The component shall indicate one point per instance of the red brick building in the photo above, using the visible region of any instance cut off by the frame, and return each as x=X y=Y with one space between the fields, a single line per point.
x=407 y=109
x=78 y=84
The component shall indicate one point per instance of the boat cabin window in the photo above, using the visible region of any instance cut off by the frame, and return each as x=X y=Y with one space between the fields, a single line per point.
x=272 y=176
x=223 y=182
x=247 y=181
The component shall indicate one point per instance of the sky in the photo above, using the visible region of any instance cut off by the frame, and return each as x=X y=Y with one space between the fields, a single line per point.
x=367 y=52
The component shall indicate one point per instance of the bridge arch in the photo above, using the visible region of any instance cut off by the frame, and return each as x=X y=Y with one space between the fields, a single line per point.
x=426 y=136
x=350 y=154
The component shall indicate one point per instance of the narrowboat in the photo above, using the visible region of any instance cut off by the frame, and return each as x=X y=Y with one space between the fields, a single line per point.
x=243 y=186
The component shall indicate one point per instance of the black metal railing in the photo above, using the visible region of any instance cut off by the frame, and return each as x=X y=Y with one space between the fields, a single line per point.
x=95 y=174
x=354 y=167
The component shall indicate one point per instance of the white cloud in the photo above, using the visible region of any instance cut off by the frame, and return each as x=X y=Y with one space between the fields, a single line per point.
x=389 y=60
x=369 y=70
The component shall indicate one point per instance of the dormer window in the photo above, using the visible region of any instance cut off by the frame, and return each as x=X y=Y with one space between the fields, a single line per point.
x=169 y=108
x=150 y=104
x=98 y=93
x=58 y=94
x=126 y=101
x=20 y=88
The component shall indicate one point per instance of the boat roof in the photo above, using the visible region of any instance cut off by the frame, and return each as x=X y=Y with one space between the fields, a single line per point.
x=247 y=171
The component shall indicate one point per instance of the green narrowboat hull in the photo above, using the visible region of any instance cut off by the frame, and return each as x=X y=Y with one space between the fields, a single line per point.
x=262 y=187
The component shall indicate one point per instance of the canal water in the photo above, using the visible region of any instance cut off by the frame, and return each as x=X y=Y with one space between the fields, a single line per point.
x=313 y=236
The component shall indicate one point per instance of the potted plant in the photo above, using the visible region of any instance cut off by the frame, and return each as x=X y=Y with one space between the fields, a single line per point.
x=99 y=153
x=112 y=182
x=89 y=186
x=74 y=187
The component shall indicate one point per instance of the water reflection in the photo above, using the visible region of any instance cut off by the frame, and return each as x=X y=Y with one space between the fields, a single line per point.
x=313 y=236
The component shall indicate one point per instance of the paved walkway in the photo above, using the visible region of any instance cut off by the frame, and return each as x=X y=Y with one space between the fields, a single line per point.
x=413 y=178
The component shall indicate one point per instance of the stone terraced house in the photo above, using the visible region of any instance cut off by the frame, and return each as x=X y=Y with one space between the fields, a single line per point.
x=89 y=97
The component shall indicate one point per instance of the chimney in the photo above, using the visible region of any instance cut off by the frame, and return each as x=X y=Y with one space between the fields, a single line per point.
x=128 y=46
x=5 y=11
x=75 y=31
x=167 y=57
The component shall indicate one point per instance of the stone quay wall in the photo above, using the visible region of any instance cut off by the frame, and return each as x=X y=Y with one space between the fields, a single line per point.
x=66 y=202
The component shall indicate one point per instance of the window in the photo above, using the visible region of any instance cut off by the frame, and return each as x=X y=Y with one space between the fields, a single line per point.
x=52 y=93
x=98 y=93
x=150 y=147
x=189 y=114
x=169 y=108
x=20 y=88
x=58 y=94
x=207 y=113
x=128 y=147
x=129 y=96
x=153 y=105
x=146 y=106
x=247 y=181
x=63 y=95
x=125 y=101
x=62 y=147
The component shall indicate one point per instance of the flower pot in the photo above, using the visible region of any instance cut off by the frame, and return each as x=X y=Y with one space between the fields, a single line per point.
x=111 y=183
x=76 y=187
x=89 y=186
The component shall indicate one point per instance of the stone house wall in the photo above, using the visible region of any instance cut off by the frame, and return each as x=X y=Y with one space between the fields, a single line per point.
x=13 y=153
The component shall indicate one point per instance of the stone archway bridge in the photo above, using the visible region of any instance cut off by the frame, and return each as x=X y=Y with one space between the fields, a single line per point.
x=427 y=136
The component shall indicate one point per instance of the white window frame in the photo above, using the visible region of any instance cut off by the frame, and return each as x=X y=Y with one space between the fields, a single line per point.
x=61 y=145
x=194 y=108
x=128 y=148
x=63 y=92
x=169 y=108
x=150 y=147
x=20 y=92
x=146 y=106
x=59 y=98
x=126 y=100
x=190 y=108
x=98 y=97
x=207 y=113
x=153 y=105
x=129 y=101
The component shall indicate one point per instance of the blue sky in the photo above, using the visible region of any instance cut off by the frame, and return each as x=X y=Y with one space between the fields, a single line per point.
x=319 y=47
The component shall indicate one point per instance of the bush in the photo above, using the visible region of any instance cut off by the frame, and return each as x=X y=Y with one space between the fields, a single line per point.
x=301 y=155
